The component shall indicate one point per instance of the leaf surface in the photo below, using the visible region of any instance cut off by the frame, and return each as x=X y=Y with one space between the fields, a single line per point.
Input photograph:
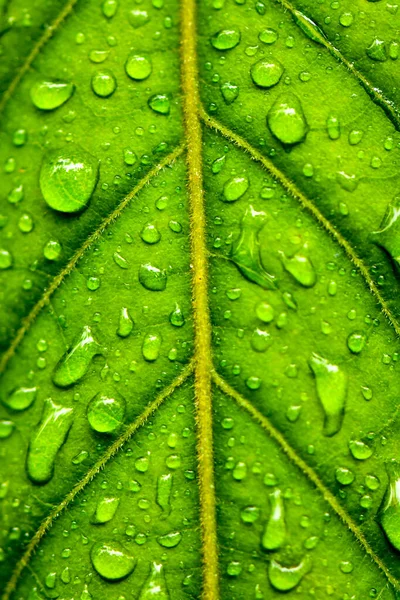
x=199 y=300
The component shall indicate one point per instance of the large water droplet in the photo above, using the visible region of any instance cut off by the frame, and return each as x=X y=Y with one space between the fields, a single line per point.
x=47 y=440
x=75 y=363
x=389 y=512
x=138 y=67
x=266 y=73
x=235 y=187
x=21 y=398
x=260 y=340
x=150 y=234
x=105 y=510
x=360 y=450
x=48 y=95
x=301 y=268
x=170 y=540
x=68 y=178
x=104 y=83
x=155 y=586
x=246 y=250
x=275 y=530
x=151 y=346
x=152 y=278
x=286 y=119
x=125 y=325
x=112 y=560
x=106 y=412
x=283 y=578
x=160 y=103
x=331 y=384
x=138 y=17
x=164 y=486
x=226 y=39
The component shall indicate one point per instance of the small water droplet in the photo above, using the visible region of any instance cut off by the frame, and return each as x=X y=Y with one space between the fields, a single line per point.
x=138 y=67
x=75 y=363
x=109 y=8
x=274 y=534
x=266 y=73
x=47 y=440
x=5 y=259
x=268 y=36
x=229 y=91
x=235 y=187
x=356 y=342
x=344 y=476
x=260 y=340
x=138 y=17
x=286 y=119
x=160 y=103
x=125 y=324
x=104 y=83
x=6 y=428
x=331 y=384
x=120 y=261
x=152 y=278
x=151 y=346
x=150 y=234
x=311 y=29
x=112 y=560
x=377 y=50
x=106 y=412
x=52 y=250
x=48 y=95
x=387 y=237
x=226 y=39
x=170 y=540
x=176 y=318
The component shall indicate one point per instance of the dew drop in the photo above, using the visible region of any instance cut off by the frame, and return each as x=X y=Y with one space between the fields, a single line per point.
x=284 y=578
x=266 y=73
x=120 y=261
x=5 y=259
x=106 y=412
x=176 y=317
x=229 y=91
x=387 y=237
x=68 y=178
x=235 y=187
x=170 y=540
x=112 y=560
x=151 y=347
x=138 y=17
x=155 y=586
x=344 y=476
x=260 y=340
x=104 y=83
x=268 y=36
x=226 y=39
x=160 y=103
x=311 y=29
x=274 y=534
x=105 y=510
x=152 y=278
x=138 y=67
x=164 y=487
x=286 y=119
x=377 y=51
x=48 y=95
x=250 y=514
x=109 y=8
x=125 y=324
x=246 y=250
x=356 y=342
x=331 y=384
x=389 y=512
x=75 y=363
x=360 y=450
x=150 y=234
x=301 y=268
x=47 y=440
x=21 y=399
x=52 y=250
x=6 y=428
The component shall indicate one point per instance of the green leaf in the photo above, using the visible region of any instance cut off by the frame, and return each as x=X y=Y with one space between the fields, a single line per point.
x=199 y=315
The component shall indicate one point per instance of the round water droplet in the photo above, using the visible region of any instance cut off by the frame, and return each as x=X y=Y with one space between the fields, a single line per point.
x=138 y=67
x=6 y=428
x=265 y=312
x=109 y=8
x=21 y=398
x=176 y=318
x=138 y=17
x=68 y=178
x=152 y=278
x=226 y=39
x=25 y=223
x=111 y=560
x=48 y=95
x=268 y=36
x=356 y=342
x=151 y=347
x=52 y=250
x=160 y=104
x=360 y=450
x=104 y=83
x=229 y=91
x=344 y=476
x=105 y=413
x=266 y=73
x=286 y=119
x=170 y=540
x=235 y=187
x=5 y=259
x=150 y=234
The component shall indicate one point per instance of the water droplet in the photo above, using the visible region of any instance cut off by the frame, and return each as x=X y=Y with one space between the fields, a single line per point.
x=75 y=363
x=152 y=278
x=311 y=29
x=377 y=50
x=138 y=17
x=235 y=187
x=360 y=450
x=250 y=514
x=155 y=586
x=47 y=440
x=106 y=412
x=246 y=250
x=125 y=324
x=21 y=399
x=274 y=534
x=344 y=476
x=104 y=83
x=111 y=560
x=331 y=385
x=6 y=428
x=16 y=194
x=164 y=487
x=218 y=164
x=150 y=234
x=240 y=471
x=268 y=36
x=160 y=103
x=389 y=511
x=388 y=235
x=151 y=346
x=52 y=250
x=284 y=578
x=266 y=73
x=138 y=67
x=333 y=127
x=48 y=95
x=229 y=91
x=226 y=39
x=120 y=261
x=301 y=268
x=25 y=223
x=286 y=119
x=260 y=340
x=109 y=8
x=105 y=510
x=170 y=540
x=5 y=259
x=176 y=318
x=356 y=342
x=68 y=178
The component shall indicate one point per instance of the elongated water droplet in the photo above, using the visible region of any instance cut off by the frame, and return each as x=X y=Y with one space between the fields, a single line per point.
x=266 y=73
x=75 y=363
x=138 y=67
x=125 y=325
x=47 y=440
x=106 y=412
x=105 y=510
x=164 y=487
x=275 y=530
x=170 y=540
x=21 y=398
x=226 y=39
x=333 y=127
x=331 y=384
x=388 y=236
x=68 y=178
x=301 y=268
x=155 y=586
x=151 y=346
x=234 y=188
x=112 y=560
x=308 y=27
x=246 y=250
x=152 y=278
x=109 y=8
x=286 y=119
x=283 y=578
x=389 y=512
x=48 y=95
x=120 y=261
x=176 y=318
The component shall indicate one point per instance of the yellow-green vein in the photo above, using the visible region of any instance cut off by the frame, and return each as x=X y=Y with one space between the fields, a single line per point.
x=108 y=455
x=191 y=103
